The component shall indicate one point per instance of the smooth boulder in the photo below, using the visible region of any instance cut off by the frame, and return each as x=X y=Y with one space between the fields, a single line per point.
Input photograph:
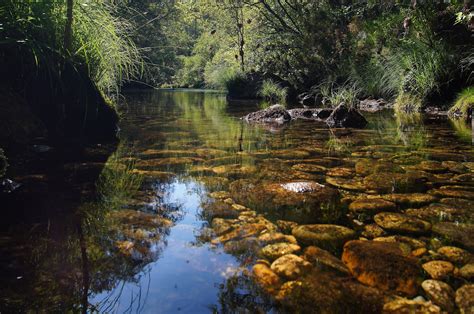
x=326 y=236
x=382 y=265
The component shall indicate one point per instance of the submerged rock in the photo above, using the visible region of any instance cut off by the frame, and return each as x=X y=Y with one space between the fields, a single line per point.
x=402 y=223
x=346 y=117
x=325 y=236
x=382 y=265
x=459 y=233
x=317 y=256
x=464 y=299
x=274 y=251
x=266 y=278
x=456 y=255
x=273 y=114
x=467 y=271
x=439 y=269
x=440 y=293
x=371 y=206
x=406 y=306
x=290 y=266
x=410 y=199
x=322 y=292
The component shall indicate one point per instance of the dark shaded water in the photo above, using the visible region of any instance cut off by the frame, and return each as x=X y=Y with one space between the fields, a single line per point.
x=145 y=244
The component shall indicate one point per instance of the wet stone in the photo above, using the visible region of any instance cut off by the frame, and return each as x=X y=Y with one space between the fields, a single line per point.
x=456 y=255
x=382 y=265
x=290 y=266
x=371 y=206
x=340 y=172
x=373 y=231
x=276 y=250
x=411 y=242
x=320 y=257
x=440 y=293
x=275 y=237
x=286 y=226
x=458 y=202
x=311 y=168
x=461 y=234
x=439 y=269
x=464 y=299
x=410 y=199
x=396 y=182
x=266 y=278
x=220 y=195
x=402 y=223
x=325 y=236
x=452 y=193
x=432 y=166
x=467 y=271
x=454 y=166
x=440 y=212
x=346 y=184
x=407 y=306
x=240 y=232
x=221 y=226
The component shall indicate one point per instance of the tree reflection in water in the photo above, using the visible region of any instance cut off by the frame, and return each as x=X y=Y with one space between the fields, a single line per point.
x=96 y=247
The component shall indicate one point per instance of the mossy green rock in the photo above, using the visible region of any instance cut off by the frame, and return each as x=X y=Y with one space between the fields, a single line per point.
x=326 y=236
x=402 y=223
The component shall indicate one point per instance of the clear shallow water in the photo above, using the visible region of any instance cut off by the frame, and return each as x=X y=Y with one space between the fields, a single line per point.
x=145 y=244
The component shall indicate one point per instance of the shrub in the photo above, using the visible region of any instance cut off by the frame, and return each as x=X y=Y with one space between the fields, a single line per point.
x=463 y=104
x=273 y=92
x=335 y=95
x=408 y=103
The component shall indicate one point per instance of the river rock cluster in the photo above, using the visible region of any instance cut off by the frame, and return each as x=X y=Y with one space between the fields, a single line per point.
x=405 y=244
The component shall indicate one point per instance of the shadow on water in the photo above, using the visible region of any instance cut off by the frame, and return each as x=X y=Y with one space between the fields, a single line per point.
x=182 y=210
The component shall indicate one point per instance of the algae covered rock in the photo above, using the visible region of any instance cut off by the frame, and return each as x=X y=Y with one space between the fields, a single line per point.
x=405 y=306
x=371 y=206
x=440 y=293
x=410 y=199
x=323 y=235
x=382 y=265
x=456 y=255
x=464 y=299
x=458 y=233
x=320 y=257
x=439 y=269
x=402 y=223
x=276 y=250
x=266 y=278
x=467 y=271
x=290 y=266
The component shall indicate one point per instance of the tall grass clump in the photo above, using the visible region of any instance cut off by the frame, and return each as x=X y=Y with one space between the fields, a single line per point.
x=273 y=92
x=34 y=31
x=333 y=94
x=463 y=104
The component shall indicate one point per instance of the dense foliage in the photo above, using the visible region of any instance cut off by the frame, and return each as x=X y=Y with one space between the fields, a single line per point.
x=411 y=51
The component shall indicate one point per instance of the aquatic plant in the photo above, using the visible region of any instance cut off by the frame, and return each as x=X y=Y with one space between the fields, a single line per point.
x=118 y=182
x=273 y=92
x=463 y=104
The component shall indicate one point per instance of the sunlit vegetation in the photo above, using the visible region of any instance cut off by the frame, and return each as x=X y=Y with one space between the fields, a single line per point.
x=463 y=104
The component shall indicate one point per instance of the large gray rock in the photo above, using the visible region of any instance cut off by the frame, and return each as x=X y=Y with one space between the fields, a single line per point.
x=272 y=114
x=346 y=117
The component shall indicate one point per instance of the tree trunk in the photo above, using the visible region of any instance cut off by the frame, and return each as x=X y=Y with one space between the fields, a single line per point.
x=68 y=27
